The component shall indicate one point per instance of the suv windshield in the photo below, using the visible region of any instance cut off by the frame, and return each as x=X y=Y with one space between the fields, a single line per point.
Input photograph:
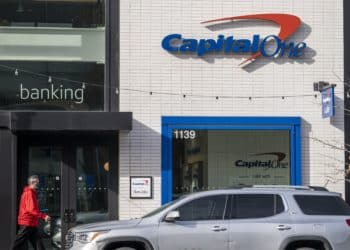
x=322 y=205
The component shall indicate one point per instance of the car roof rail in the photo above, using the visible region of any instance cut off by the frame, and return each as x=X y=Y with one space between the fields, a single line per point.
x=319 y=188
x=293 y=187
x=283 y=187
x=240 y=186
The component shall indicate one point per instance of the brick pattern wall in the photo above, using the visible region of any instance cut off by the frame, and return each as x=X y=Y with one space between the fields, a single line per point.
x=145 y=66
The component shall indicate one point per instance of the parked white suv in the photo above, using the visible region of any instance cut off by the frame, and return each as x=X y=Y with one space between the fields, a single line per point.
x=248 y=218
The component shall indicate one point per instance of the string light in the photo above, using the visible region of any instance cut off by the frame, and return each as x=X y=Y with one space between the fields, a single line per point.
x=84 y=84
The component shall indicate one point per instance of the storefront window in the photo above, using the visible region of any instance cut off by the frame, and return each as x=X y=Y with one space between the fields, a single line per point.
x=52 y=13
x=211 y=159
x=51 y=86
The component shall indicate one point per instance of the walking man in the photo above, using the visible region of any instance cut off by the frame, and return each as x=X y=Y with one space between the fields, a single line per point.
x=29 y=216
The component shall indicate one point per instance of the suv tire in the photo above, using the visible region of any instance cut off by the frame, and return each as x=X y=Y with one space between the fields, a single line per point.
x=125 y=248
x=305 y=248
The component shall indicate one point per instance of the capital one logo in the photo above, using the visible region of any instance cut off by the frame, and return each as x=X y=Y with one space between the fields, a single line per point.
x=269 y=46
x=275 y=163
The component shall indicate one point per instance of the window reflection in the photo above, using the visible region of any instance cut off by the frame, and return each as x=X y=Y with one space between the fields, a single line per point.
x=52 y=13
x=31 y=89
x=92 y=191
x=212 y=159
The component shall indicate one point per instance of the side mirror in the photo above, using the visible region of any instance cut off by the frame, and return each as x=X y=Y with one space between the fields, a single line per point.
x=172 y=216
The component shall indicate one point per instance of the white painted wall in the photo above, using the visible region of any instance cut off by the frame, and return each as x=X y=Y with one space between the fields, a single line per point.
x=144 y=65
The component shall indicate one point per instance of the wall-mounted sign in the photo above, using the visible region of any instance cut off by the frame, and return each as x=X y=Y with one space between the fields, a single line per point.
x=52 y=93
x=257 y=46
x=141 y=187
x=328 y=102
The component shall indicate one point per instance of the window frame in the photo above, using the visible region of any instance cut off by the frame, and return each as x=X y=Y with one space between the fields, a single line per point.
x=169 y=123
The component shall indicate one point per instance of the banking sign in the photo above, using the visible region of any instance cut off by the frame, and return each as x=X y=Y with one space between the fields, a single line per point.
x=268 y=46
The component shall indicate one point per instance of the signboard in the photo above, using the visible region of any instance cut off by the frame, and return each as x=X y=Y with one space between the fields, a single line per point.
x=141 y=187
x=328 y=102
x=255 y=47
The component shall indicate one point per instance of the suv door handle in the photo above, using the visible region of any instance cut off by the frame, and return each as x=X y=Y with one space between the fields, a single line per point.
x=283 y=227
x=218 y=229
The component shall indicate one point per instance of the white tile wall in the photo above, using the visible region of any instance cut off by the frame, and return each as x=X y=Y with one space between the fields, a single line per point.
x=146 y=66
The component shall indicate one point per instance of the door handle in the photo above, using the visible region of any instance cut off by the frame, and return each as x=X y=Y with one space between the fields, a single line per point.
x=283 y=227
x=66 y=216
x=72 y=217
x=218 y=229
x=69 y=216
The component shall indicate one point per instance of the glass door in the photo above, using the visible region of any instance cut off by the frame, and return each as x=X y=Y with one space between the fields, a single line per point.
x=47 y=162
x=75 y=180
x=92 y=167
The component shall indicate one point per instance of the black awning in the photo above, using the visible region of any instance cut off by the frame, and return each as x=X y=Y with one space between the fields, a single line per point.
x=65 y=120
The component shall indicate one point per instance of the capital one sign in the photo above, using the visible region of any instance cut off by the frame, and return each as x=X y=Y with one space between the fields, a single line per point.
x=256 y=47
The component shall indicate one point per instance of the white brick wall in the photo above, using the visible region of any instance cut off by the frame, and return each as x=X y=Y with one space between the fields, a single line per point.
x=146 y=66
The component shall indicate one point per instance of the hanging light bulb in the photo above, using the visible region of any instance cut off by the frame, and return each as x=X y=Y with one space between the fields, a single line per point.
x=83 y=86
x=117 y=91
x=16 y=72
x=50 y=79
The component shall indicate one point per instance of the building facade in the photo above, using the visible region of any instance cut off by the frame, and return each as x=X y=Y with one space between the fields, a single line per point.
x=59 y=118
x=121 y=106
x=269 y=106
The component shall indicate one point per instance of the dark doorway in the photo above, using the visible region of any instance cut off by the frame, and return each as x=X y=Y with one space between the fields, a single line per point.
x=78 y=179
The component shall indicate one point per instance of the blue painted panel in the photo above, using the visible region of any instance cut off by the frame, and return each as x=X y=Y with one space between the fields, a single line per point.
x=169 y=123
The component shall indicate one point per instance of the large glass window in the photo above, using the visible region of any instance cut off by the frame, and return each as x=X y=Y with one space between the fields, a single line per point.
x=211 y=159
x=52 y=13
x=31 y=88
x=206 y=208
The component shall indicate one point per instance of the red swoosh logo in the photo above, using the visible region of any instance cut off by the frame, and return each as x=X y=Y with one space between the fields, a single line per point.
x=289 y=24
x=280 y=155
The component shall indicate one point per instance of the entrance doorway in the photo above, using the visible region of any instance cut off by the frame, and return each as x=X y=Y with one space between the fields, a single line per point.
x=77 y=180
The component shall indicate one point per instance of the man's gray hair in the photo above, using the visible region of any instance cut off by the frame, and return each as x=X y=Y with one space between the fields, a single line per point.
x=32 y=179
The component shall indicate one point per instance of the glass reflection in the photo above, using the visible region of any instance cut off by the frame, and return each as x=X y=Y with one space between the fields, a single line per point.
x=212 y=159
x=52 y=13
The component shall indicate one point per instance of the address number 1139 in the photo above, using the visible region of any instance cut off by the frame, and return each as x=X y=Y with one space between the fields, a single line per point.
x=185 y=134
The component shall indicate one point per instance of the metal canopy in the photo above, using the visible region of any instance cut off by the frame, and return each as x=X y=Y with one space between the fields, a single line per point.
x=65 y=121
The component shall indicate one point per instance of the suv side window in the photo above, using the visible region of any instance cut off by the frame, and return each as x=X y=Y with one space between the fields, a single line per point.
x=322 y=205
x=249 y=206
x=205 y=208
